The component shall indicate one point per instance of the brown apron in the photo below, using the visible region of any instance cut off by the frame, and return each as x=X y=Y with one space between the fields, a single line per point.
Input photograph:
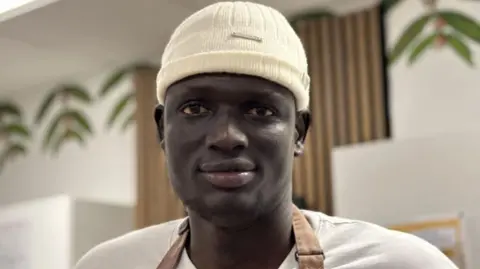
x=309 y=254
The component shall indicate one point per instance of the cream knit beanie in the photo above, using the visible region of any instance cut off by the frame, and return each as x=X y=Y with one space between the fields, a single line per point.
x=241 y=38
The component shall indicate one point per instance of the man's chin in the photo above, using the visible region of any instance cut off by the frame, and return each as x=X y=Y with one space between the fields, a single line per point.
x=230 y=212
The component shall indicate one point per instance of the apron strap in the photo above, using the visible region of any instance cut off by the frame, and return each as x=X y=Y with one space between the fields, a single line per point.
x=172 y=258
x=309 y=254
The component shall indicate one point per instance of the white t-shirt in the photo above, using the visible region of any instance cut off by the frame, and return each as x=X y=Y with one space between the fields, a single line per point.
x=348 y=244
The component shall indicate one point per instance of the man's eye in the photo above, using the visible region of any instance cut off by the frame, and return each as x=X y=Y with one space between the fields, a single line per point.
x=260 y=111
x=194 y=109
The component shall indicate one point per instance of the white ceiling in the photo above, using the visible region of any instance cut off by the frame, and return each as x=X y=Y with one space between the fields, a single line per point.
x=71 y=40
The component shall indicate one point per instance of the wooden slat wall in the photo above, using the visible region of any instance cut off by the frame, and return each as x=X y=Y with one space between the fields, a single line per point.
x=156 y=201
x=347 y=95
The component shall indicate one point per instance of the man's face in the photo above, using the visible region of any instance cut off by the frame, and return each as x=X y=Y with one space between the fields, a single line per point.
x=229 y=143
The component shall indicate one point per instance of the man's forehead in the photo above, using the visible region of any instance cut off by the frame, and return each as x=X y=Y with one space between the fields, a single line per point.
x=227 y=83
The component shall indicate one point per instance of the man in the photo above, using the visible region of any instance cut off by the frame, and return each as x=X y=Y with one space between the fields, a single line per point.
x=234 y=92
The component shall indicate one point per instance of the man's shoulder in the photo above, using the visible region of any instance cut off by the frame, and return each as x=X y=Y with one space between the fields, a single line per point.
x=347 y=241
x=141 y=247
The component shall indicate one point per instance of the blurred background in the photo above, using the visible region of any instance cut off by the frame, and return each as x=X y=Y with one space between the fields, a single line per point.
x=394 y=141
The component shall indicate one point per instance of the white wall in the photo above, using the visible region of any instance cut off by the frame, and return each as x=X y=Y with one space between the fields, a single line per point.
x=104 y=170
x=94 y=223
x=399 y=181
x=56 y=231
x=439 y=93
x=45 y=232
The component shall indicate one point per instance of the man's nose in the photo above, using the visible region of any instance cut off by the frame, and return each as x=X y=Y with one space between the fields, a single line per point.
x=226 y=136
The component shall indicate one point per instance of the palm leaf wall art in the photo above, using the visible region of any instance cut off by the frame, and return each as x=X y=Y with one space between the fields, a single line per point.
x=123 y=110
x=14 y=133
x=68 y=123
x=451 y=28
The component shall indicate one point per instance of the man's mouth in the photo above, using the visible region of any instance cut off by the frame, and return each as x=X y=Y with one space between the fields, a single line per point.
x=228 y=174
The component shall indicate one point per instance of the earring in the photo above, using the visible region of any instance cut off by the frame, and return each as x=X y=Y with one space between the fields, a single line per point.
x=298 y=149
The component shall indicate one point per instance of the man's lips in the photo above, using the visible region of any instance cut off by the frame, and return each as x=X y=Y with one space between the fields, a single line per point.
x=228 y=174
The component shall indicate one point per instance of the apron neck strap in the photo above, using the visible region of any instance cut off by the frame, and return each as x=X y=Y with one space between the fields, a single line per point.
x=173 y=255
x=309 y=254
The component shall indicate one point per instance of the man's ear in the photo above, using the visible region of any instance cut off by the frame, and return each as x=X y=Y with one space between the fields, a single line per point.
x=159 y=122
x=301 y=129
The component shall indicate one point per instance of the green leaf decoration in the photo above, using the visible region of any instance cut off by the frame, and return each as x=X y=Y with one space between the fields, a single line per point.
x=16 y=129
x=128 y=121
x=13 y=132
x=12 y=151
x=462 y=23
x=421 y=47
x=66 y=136
x=76 y=118
x=46 y=106
x=114 y=80
x=388 y=5
x=120 y=107
x=82 y=121
x=78 y=92
x=9 y=109
x=460 y=48
x=408 y=36
x=52 y=128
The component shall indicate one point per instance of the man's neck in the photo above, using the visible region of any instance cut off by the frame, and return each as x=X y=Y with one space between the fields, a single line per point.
x=264 y=244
